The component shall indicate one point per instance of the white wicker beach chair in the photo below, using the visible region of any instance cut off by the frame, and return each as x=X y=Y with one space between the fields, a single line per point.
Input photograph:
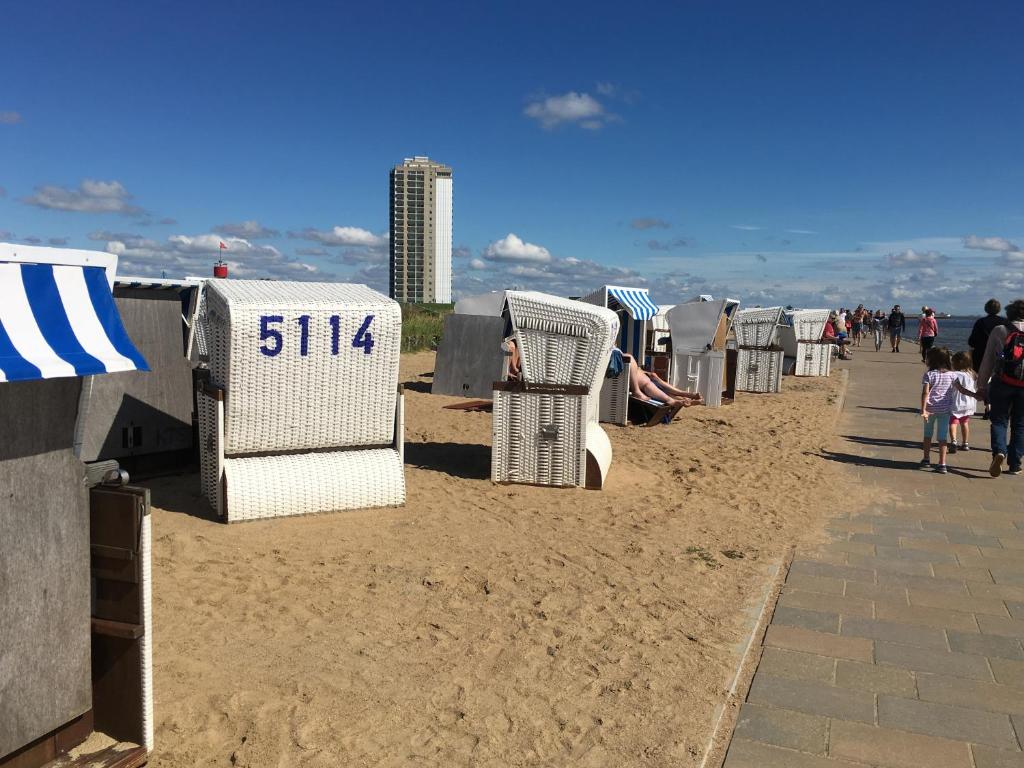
x=800 y=337
x=544 y=429
x=614 y=407
x=759 y=370
x=303 y=411
x=757 y=327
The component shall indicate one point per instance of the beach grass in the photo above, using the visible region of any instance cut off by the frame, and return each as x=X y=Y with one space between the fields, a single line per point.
x=422 y=325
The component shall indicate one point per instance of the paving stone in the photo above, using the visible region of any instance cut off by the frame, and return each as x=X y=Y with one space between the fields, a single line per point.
x=985 y=645
x=1012 y=556
x=820 y=643
x=995 y=625
x=924 y=660
x=891 y=566
x=944 y=547
x=1008 y=672
x=1010 y=541
x=778 y=662
x=798 y=617
x=946 y=721
x=874 y=678
x=931 y=583
x=974 y=539
x=986 y=757
x=997 y=591
x=916 y=555
x=908 y=634
x=751 y=754
x=975 y=694
x=851 y=547
x=812 y=568
x=895 y=749
x=965 y=603
x=953 y=571
x=932 y=617
x=815 y=601
x=871 y=592
x=1016 y=609
x=823 y=584
x=812 y=698
x=1004 y=576
x=782 y=728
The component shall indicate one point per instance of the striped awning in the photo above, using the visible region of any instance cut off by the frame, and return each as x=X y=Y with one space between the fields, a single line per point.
x=58 y=320
x=637 y=303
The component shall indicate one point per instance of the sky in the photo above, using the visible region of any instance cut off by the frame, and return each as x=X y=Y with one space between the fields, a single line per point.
x=806 y=153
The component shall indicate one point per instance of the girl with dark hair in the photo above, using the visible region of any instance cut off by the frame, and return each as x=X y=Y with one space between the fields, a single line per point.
x=927 y=330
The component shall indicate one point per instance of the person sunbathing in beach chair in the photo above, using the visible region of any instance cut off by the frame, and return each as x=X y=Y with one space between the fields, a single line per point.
x=658 y=400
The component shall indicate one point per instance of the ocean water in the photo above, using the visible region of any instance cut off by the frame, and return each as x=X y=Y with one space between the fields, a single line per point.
x=953 y=332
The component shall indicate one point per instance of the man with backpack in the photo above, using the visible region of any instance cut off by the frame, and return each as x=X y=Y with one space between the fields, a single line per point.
x=1004 y=365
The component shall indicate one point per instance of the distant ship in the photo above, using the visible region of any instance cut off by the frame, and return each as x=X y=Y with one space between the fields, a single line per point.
x=943 y=315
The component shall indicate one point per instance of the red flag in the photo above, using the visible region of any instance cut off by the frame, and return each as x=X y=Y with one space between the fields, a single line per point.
x=222 y=246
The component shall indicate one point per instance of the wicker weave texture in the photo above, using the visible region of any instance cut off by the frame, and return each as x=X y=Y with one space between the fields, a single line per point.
x=615 y=398
x=813 y=359
x=300 y=484
x=757 y=327
x=759 y=370
x=700 y=372
x=337 y=394
x=561 y=341
x=539 y=439
x=809 y=324
x=211 y=454
x=146 y=641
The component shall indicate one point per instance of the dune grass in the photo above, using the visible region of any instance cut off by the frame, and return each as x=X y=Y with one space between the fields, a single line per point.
x=422 y=325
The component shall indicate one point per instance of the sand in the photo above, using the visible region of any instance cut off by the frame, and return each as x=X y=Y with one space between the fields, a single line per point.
x=485 y=625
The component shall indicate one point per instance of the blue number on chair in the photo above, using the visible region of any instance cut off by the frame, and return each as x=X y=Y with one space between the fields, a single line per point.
x=267 y=333
x=303 y=335
x=363 y=337
x=335 y=333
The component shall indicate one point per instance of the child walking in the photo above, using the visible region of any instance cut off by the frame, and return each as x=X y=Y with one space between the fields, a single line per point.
x=964 y=403
x=940 y=386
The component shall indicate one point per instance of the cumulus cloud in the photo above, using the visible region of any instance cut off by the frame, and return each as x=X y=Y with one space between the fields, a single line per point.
x=181 y=255
x=311 y=252
x=976 y=242
x=250 y=230
x=512 y=249
x=10 y=118
x=1013 y=258
x=649 y=223
x=90 y=196
x=912 y=258
x=461 y=252
x=477 y=264
x=32 y=240
x=337 y=236
x=668 y=245
x=570 y=108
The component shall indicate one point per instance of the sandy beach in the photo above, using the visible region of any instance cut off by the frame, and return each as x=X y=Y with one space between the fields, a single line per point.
x=488 y=625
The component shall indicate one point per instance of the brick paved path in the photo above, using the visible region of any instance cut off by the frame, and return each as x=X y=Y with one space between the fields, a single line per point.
x=900 y=643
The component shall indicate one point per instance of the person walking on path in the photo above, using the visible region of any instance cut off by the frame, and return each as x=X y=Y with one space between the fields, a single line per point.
x=964 y=405
x=1001 y=383
x=937 y=393
x=927 y=330
x=897 y=327
x=982 y=328
x=878 y=326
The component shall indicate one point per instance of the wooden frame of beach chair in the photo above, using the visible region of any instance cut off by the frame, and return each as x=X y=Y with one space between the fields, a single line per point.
x=544 y=426
x=305 y=420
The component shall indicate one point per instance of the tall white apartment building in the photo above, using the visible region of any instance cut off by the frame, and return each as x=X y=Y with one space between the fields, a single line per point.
x=421 y=232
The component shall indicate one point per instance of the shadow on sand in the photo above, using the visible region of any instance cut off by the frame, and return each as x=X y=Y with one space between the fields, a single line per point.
x=467 y=460
x=180 y=494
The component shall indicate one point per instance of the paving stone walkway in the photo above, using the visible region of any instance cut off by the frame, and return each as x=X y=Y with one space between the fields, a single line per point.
x=901 y=643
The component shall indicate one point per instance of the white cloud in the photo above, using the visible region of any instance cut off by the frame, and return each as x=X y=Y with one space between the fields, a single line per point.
x=181 y=255
x=512 y=249
x=10 y=118
x=1013 y=258
x=745 y=227
x=90 y=196
x=976 y=242
x=802 y=231
x=251 y=230
x=572 y=107
x=912 y=258
x=477 y=264
x=351 y=236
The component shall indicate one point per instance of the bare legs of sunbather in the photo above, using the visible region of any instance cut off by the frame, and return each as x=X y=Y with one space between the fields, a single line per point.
x=648 y=384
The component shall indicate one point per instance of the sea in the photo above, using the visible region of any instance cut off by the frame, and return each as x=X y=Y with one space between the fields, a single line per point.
x=953 y=331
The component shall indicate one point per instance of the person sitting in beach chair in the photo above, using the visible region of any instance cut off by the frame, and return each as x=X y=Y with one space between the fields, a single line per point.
x=652 y=400
x=839 y=339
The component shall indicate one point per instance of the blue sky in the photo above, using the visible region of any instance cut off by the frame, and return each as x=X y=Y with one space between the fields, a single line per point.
x=804 y=152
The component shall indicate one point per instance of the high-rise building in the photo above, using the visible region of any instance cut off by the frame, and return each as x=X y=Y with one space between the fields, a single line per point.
x=421 y=231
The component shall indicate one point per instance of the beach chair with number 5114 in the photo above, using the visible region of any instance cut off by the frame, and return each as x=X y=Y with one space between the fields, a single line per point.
x=302 y=412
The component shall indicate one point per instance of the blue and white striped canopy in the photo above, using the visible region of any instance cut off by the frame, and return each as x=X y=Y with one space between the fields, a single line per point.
x=58 y=320
x=637 y=303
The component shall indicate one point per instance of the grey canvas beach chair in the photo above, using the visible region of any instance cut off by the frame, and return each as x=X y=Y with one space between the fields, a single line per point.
x=302 y=412
x=698 y=333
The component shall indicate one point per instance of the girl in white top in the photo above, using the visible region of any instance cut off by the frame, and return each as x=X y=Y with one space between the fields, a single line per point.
x=964 y=405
